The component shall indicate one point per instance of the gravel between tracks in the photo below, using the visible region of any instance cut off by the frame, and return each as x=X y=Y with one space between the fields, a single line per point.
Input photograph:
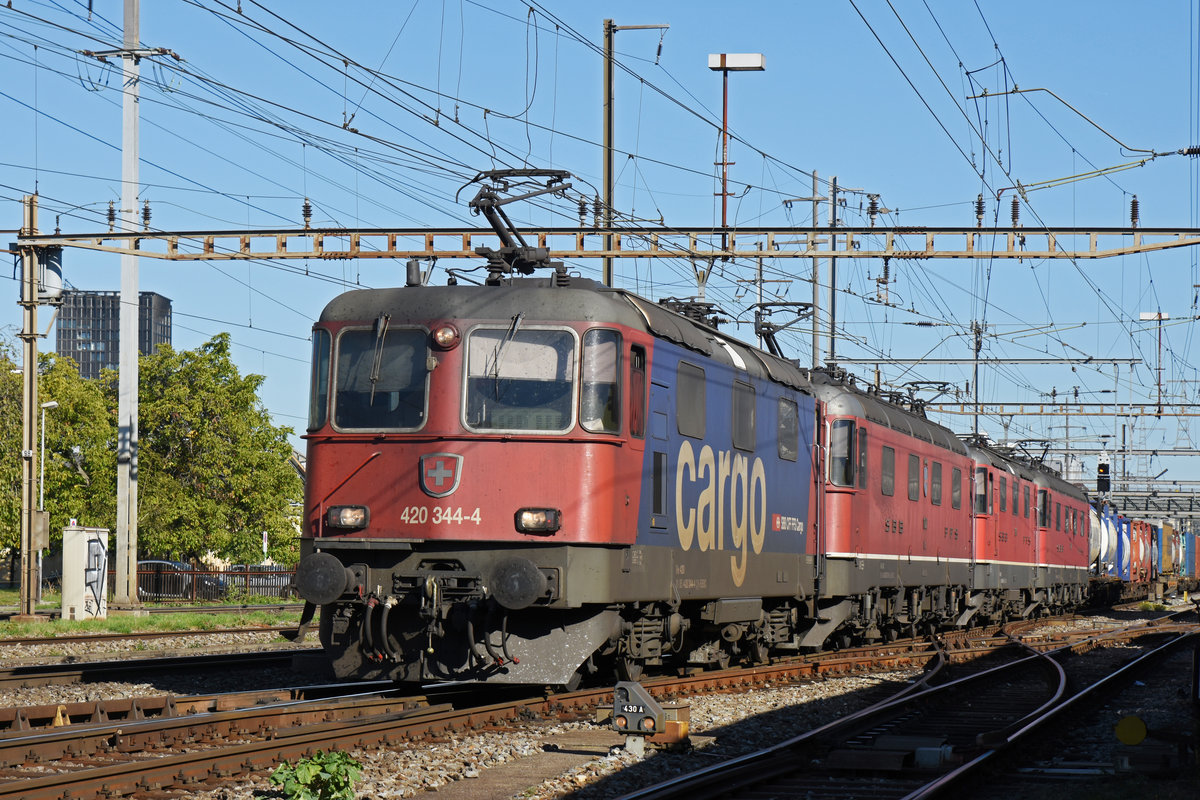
x=126 y=650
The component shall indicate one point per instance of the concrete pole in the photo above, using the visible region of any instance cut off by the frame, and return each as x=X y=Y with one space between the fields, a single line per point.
x=816 y=278
x=606 y=212
x=833 y=193
x=29 y=400
x=125 y=589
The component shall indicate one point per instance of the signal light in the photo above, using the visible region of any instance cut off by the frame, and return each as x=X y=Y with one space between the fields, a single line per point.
x=635 y=711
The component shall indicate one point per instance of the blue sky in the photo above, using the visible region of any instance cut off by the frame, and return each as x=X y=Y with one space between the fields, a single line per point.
x=256 y=116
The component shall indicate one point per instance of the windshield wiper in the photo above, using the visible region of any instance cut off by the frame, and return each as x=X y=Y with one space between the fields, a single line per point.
x=498 y=356
x=381 y=326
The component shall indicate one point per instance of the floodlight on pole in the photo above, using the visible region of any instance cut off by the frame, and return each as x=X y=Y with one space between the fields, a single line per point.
x=726 y=63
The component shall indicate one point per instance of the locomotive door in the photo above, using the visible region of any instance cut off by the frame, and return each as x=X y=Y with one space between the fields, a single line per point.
x=657 y=444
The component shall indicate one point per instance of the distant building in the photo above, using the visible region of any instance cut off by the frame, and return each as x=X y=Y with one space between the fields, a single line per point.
x=89 y=325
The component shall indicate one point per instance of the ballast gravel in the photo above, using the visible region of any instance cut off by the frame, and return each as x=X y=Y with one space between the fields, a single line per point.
x=587 y=761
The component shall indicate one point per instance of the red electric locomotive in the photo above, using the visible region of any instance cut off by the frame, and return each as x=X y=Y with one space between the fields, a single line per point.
x=533 y=479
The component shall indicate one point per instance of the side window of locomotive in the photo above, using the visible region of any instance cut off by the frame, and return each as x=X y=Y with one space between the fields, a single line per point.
x=1003 y=494
x=318 y=407
x=842 y=454
x=1043 y=510
x=1058 y=516
x=690 y=410
x=381 y=378
x=956 y=488
x=519 y=379
x=1026 y=503
x=887 y=472
x=981 y=490
x=600 y=398
x=935 y=494
x=743 y=416
x=862 y=458
x=637 y=392
x=787 y=433
x=914 y=477
x=1016 y=496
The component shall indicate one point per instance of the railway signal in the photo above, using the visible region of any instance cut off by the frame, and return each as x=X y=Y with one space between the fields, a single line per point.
x=635 y=714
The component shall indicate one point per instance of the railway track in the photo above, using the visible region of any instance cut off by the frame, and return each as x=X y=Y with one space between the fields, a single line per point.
x=124 y=748
x=935 y=736
x=170 y=746
x=137 y=670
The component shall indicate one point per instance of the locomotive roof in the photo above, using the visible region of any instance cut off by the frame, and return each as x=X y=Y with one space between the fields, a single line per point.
x=543 y=300
x=843 y=398
x=1038 y=473
x=537 y=298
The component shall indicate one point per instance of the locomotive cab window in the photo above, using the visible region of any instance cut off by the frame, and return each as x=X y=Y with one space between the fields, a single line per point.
x=862 y=458
x=1043 y=509
x=381 y=378
x=935 y=494
x=982 y=495
x=637 y=392
x=319 y=397
x=956 y=488
x=600 y=404
x=914 y=477
x=842 y=453
x=520 y=379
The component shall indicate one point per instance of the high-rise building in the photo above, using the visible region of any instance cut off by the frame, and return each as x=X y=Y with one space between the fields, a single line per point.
x=89 y=324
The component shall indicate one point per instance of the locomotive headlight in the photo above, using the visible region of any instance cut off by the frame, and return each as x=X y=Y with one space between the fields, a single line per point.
x=538 y=520
x=445 y=336
x=348 y=517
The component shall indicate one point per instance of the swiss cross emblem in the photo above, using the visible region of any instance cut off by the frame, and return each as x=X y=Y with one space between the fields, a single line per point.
x=440 y=473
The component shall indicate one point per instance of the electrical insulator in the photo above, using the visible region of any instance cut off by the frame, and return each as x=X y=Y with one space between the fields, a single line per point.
x=1133 y=212
x=112 y=216
x=873 y=209
x=306 y=212
x=596 y=212
x=979 y=211
x=582 y=212
x=1016 y=211
x=146 y=215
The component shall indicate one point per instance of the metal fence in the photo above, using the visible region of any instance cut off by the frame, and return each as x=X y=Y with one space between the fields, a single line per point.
x=168 y=581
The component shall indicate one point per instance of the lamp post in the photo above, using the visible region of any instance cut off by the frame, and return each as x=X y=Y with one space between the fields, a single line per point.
x=42 y=459
x=726 y=63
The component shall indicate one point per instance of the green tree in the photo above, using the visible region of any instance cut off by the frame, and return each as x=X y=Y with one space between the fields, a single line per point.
x=213 y=471
x=10 y=449
x=81 y=435
x=80 y=454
